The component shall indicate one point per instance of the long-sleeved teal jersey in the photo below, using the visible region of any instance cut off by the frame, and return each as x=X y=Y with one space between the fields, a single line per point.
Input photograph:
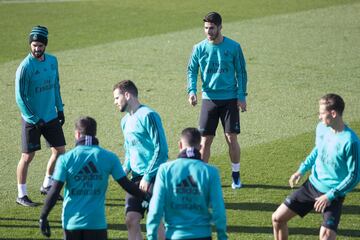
x=222 y=70
x=145 y=142
x=334 y=161
x=85 y=170
x=37 y=89
x=187 y=194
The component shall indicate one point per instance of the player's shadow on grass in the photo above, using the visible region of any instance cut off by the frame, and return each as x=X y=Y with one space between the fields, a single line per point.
x=263 y=186
x=119 y=202
x=292 y=231
x=283 y=187
x=271 y=207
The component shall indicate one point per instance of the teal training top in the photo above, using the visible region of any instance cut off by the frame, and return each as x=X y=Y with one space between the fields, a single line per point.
x=222 y=70
x=334 y=161
x=187 y=194
x=86 y=170
x=37 y=89
x=144 y=142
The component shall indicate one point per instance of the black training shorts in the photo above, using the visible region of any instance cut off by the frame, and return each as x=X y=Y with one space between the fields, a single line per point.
x=132 y=203
x=30 y=135
x=204 y=238
x=302 y=202
x=84 y=234
x=213 y=110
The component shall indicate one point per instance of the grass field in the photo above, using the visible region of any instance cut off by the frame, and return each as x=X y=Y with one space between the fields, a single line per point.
x=296 y=51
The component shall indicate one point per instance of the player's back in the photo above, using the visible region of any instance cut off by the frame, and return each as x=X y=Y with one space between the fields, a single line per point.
x=186 y=209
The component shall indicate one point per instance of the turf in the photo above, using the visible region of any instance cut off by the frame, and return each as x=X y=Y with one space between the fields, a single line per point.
x=295 y=50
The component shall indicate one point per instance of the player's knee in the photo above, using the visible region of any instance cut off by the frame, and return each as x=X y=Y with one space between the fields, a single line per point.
x=27 y=157
x=276 y=220
x=131 y=221
x=327 y=234
x=57 y=151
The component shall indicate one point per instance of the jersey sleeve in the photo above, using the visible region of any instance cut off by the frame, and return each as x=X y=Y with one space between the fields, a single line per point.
x=157 y=136
x=241 y=74
x=309 y=161
x=58 y=100
x=60 y=172
x=117 y=171
x=22 y=80
x=352 y=178
x=218 y=205
x=192 y=72
x=156 y=207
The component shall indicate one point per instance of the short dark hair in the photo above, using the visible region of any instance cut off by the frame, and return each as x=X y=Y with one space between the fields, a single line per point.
x=126 y=86
x=191 y=136
x=333 y=101
x=213 y=17
x=86 y=126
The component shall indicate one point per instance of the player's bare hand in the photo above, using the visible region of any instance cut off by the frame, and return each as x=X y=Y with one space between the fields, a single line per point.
x=294 y=179
x=321 y=203
x=192 y=99
x=241 y=105
x=144 y=185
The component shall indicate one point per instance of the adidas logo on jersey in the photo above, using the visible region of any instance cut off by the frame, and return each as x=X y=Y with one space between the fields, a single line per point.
x=187 y=186
x=88 y=173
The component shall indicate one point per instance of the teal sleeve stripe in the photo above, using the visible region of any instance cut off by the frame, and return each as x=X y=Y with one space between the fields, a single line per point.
x=22 y=89
x=192 y=71
x=156 y=139
x=351 y=181
x=243 y=71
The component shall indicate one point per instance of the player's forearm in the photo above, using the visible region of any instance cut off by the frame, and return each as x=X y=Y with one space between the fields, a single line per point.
x=51 y=198
x=131 y=188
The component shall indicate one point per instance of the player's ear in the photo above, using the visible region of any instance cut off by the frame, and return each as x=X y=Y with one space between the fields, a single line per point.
x=127 y=95
x=77 y=134
x=333 y=113
x=180 y=145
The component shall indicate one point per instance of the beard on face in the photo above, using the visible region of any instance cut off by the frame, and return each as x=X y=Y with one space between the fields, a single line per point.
x=124 y=107
x=213 y=36
x=38 y=54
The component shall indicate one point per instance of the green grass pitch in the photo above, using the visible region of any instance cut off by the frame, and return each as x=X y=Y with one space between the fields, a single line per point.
x=296 y=51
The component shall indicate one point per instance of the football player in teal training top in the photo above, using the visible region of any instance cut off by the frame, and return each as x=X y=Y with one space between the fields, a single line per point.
x=335 y=171
x=187 y=194
x=224 y=89
x=85 y=170
x=145 y=149
x=37 y=91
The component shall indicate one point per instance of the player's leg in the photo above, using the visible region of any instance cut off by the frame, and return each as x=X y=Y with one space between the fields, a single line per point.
x=234 y=153
x=331 y=219
x=30 y=138
x=161 y=231
x=300 y=202
x=134 y=213
x=55 y=153
x=54 y=136
x=205 y=150
x=230 y=120
x=327 y=234
x=133 y=225
x=21 y=172
x=209 y=119
x=279 y=221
